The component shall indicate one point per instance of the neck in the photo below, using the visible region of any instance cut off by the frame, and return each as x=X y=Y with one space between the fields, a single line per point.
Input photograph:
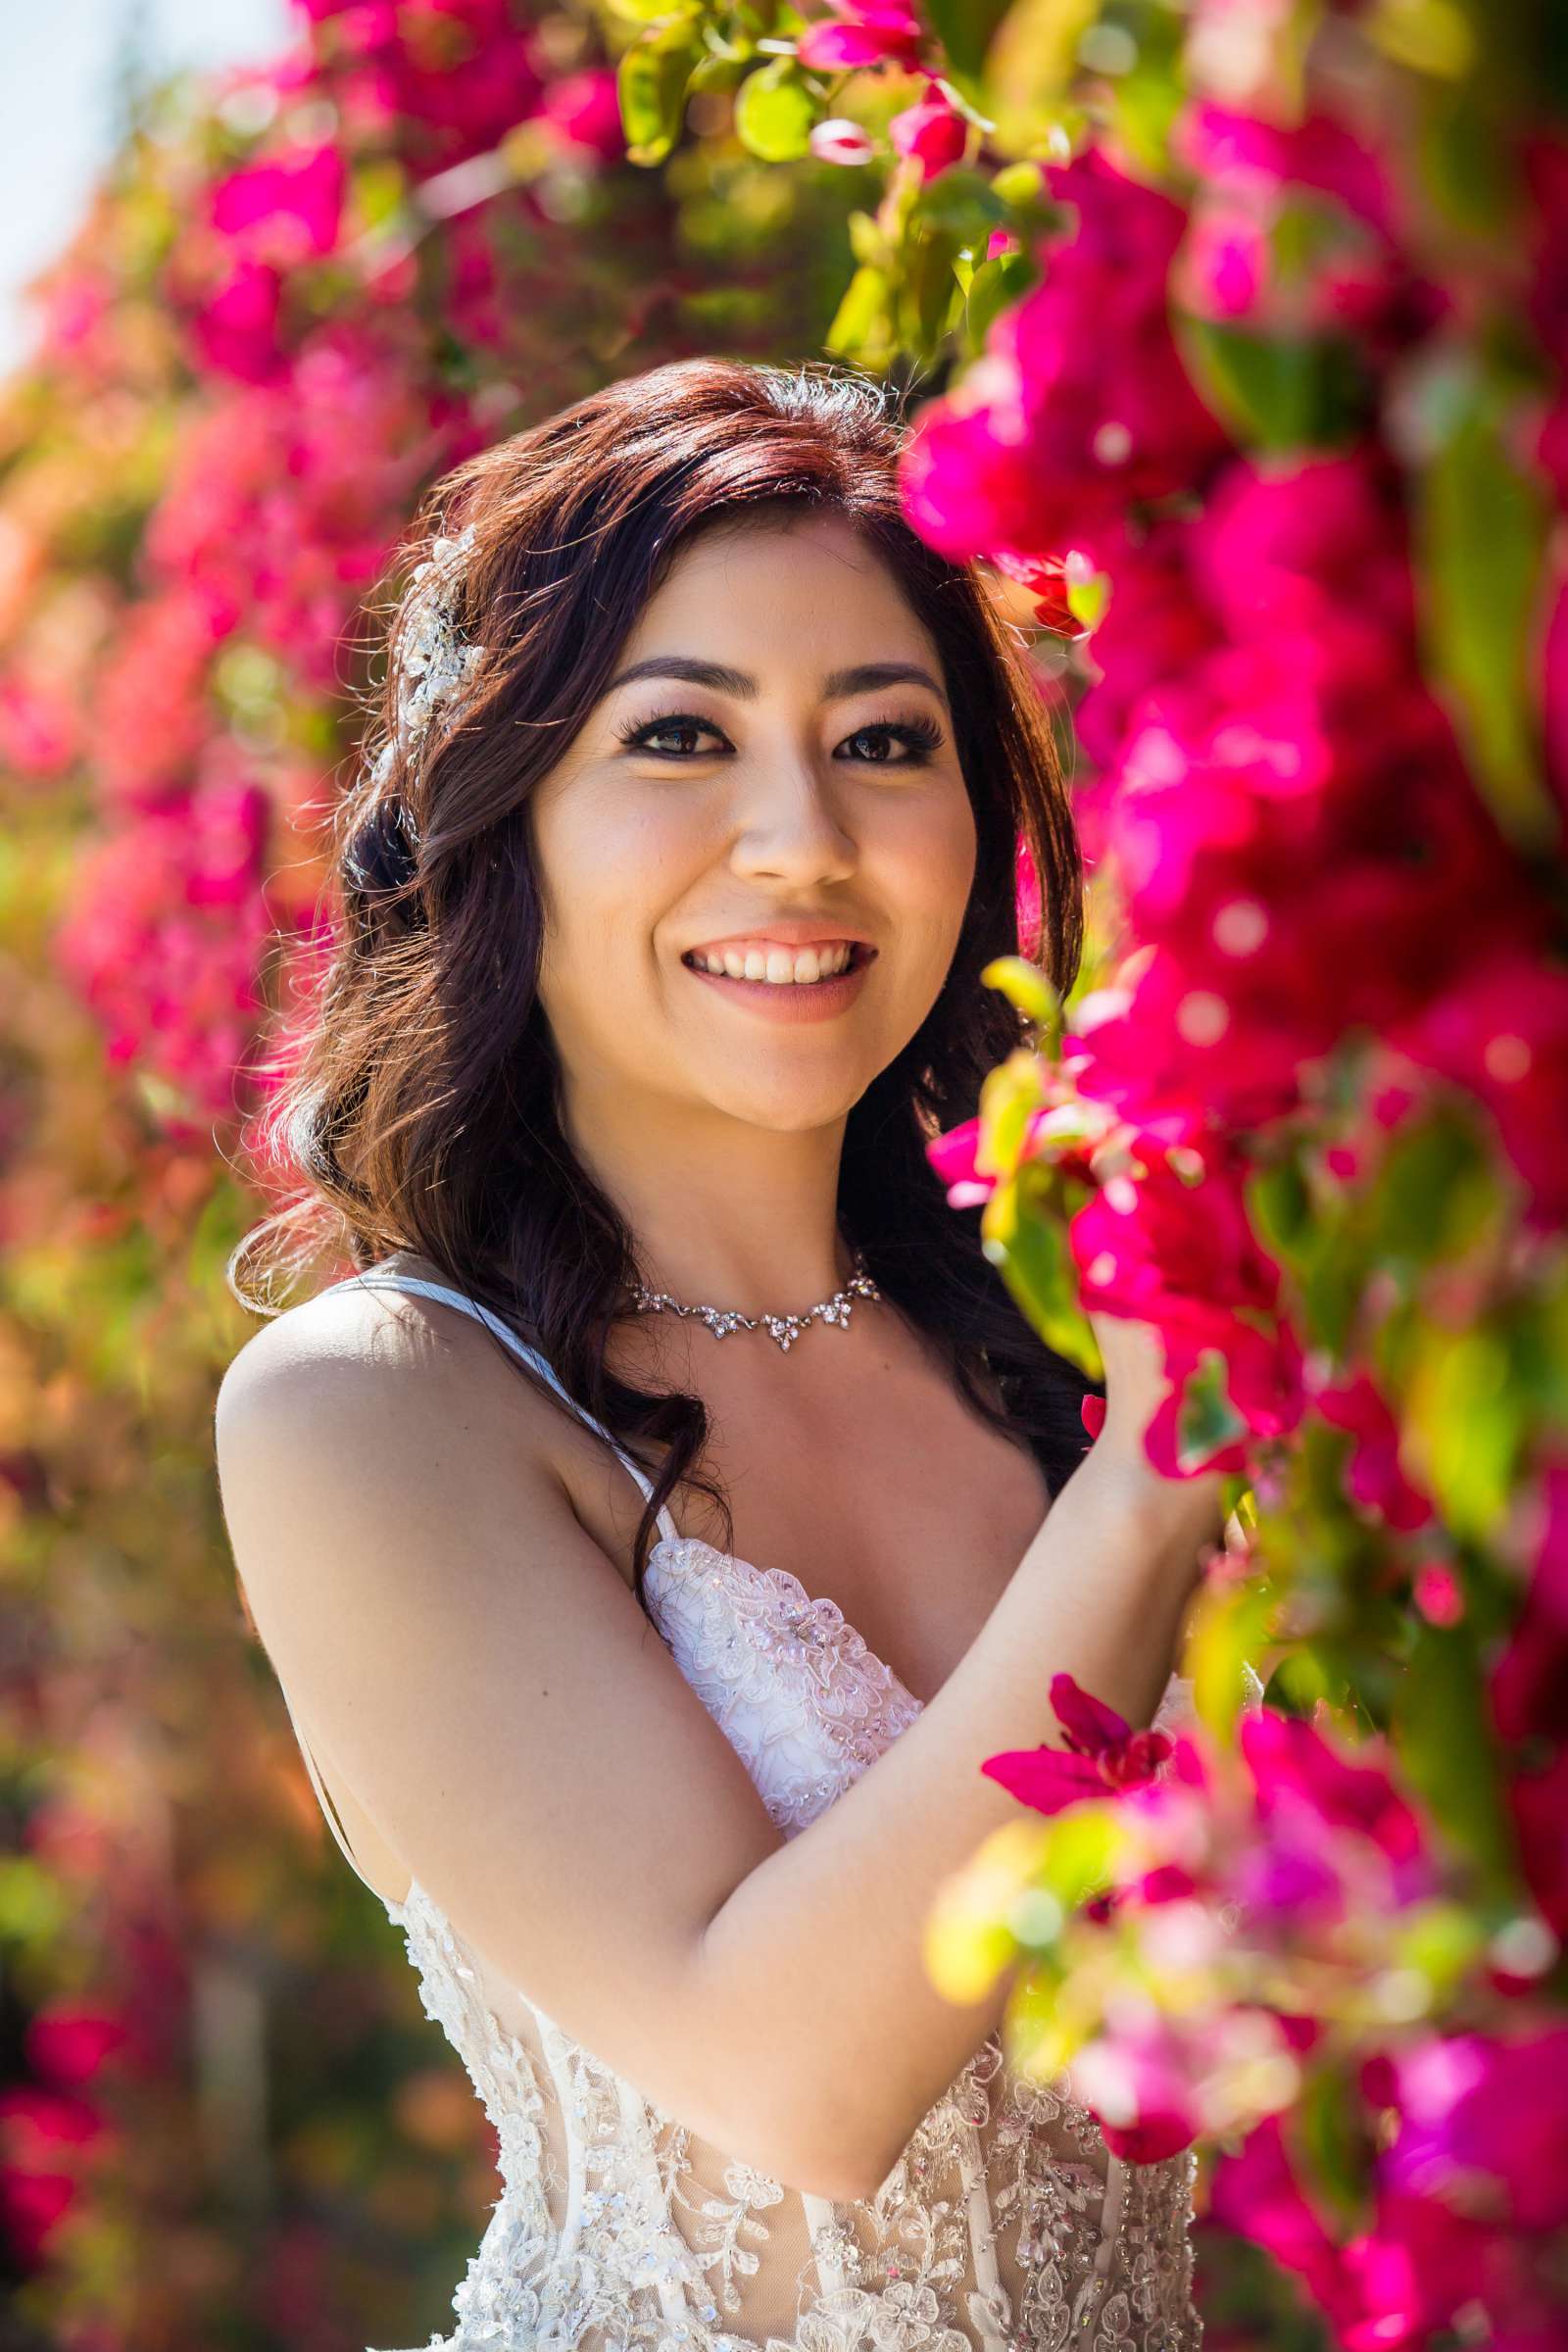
x=721 y=1214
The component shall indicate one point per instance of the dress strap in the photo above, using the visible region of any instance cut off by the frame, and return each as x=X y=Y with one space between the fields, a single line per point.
x=375 y=1279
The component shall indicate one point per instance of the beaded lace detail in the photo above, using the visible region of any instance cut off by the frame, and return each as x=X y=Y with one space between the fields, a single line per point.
x=1004 y=2226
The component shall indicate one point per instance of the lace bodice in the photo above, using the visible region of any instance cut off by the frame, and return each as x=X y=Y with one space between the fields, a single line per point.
x=1005 y=2223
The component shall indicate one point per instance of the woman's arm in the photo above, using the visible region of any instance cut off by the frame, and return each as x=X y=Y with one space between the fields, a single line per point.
x=473 y=1662
x=840 y=1911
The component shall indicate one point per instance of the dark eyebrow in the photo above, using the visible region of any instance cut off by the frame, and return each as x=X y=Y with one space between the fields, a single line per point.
x=839 y=684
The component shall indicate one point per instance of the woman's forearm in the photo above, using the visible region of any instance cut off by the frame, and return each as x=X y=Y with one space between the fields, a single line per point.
x=814 y=1965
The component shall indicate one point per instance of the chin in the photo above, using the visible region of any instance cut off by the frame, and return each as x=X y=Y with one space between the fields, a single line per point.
x=788 y=1108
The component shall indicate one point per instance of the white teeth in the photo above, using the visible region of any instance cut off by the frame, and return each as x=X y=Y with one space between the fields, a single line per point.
x=779 y=968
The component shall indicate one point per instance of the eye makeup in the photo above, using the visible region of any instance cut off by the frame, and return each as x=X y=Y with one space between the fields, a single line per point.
x=921 y=734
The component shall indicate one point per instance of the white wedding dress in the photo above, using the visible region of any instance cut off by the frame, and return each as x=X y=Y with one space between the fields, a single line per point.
x=1006 y=2225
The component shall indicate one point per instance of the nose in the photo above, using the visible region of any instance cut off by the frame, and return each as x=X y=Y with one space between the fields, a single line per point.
x=789 y=826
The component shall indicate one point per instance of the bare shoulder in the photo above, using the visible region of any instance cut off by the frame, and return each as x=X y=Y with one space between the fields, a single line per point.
x=383 y=1345
x=360 y=1390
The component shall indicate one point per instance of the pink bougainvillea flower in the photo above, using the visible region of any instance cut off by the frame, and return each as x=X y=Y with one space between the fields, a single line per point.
x=1375 y=1478
x=862 y=32
x=38 y=2179
x=1552 y=663
x=1252 y=176
x=68 y=2041
x=1080 y=403
x=236 y=329
x=453 y=93
x=1102 y=1754
x=838 y=140
x=1159 y=619
x=1296 y=545
x=258 y=226
x=953 y=1156
x=151 y=714
x=1482 y=2115
x=1138 y=2082
x=1438 y=1594
x=1301 y=849
x=165 y=936
x=1164 y=1050
x=1528 y=1684
x=1501 y=1031
x=285 y=208
x=1317 y=153
x=1048 y=580
x=1185 y=1259
x=277 y=499
x=40 y=730
x=585 y=110
x=1387 y=2288
x=934 y=132
x=1293 y=1767
x=1528 y=1698
x=1537 y=1805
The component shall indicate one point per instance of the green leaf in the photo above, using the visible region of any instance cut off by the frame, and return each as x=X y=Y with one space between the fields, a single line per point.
x=868 y=240
x=1205 y=1418
x=1442 y=1941
x=1329 y=2128
x=1279 y=1208
x=996 y=285
x=1029 y=69
x=1089 y=598
x=1026 y=985
x=966 y=28
x=1441 y=1730
x=862 y=321
x=774 y=112
x=1027 y=1239
x=1484 y=524
x=1463 y=1426
x=1231 y=1628
x=962 y=199
x=1275 y=392
x=1082 y=1847
x=651 y=84
x=931 y=286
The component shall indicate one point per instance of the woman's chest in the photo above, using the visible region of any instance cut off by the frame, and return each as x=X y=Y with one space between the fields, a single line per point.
x=893 y=1501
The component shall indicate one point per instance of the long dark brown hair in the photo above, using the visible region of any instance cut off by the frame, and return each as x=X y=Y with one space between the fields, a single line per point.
x=418 y=1108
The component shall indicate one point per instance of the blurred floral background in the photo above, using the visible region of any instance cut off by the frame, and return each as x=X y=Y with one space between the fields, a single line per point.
x=1233 y=334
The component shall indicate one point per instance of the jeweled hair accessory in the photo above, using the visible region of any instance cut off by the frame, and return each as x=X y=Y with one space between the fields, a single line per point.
x=435 y=659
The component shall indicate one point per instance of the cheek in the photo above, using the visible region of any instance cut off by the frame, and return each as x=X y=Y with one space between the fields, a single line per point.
x=608 y=864
x=931 y=866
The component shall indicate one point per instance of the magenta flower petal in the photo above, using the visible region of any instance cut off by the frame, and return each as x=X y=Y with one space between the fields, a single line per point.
x=1047 y=1779
x=1093 y=1728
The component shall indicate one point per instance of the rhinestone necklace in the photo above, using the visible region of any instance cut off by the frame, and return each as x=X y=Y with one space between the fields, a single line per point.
x=785 y=1329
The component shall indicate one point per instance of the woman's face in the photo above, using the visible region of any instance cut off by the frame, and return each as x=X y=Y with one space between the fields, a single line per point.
x=768 y=790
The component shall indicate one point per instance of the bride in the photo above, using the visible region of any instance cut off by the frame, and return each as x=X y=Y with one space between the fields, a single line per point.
x=656 y=1530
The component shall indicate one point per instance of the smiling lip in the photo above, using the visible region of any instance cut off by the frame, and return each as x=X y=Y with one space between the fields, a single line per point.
x=792 y=1002
x=781 y=934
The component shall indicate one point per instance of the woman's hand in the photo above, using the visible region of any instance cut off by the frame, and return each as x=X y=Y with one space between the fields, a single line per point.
x=1136 y=1386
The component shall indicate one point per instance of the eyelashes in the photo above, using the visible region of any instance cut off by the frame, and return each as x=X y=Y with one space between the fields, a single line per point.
x=923 y=736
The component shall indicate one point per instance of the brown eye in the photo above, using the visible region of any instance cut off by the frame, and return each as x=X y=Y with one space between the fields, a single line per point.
x=640 y=736
x=923 y=736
